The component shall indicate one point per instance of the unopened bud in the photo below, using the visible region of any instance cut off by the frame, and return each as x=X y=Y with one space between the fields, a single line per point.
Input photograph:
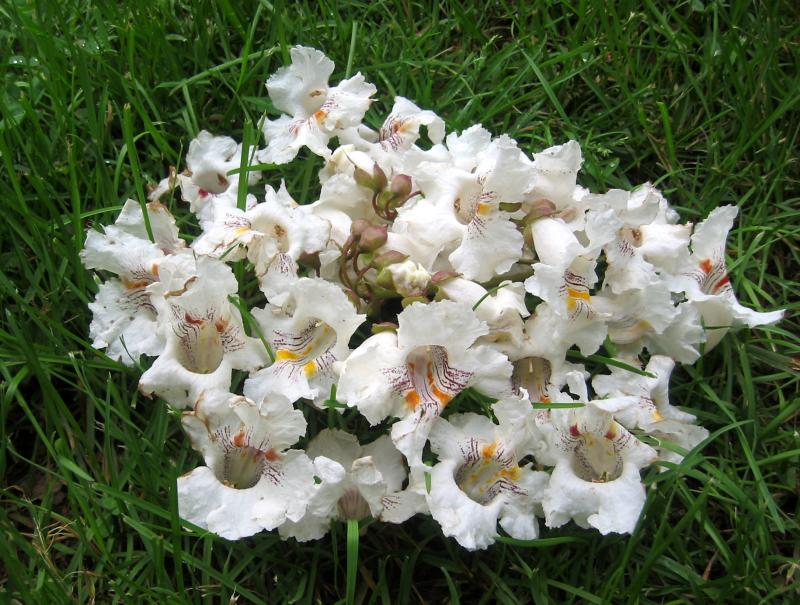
x=401 y=186
x=385 y=279
x=388 y=258
x=541 y=208
x=442 y=276
x=376 y=181
x=358 y=226
x=372 y=238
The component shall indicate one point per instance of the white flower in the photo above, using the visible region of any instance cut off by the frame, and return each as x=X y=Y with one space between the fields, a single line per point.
x=502 y=310
x=461 y=216
x=272 y=234
x=415 y=373
x=316 y=111
x=707 y=285
x=478 y=480
x=556 y=171
x=124 y=318
x=596 y=479
x=206 y=183
x=651 y=410
x=205 y=336
x=400 y=130
x=355 y=482
x=648 y=318
x=251 y=481
x=310 y=341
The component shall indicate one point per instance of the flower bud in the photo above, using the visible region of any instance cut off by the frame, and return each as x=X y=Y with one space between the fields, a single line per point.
x=388 y=258
x=376 y=181
x=358 y=226
x=540 y=209
x=401 y=186
x=372 y=238
x=442 y=276
x=385 y=279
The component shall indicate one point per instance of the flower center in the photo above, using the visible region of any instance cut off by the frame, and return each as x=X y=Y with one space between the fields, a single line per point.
x=487 y=472
x=201 y=349
x=273 y=231
x=533 y=375
x=596 y=459
x=713 y=277
x=211 y=181
x=427 y=379
x=352 y=505
x=243 y=464
x=308 y=351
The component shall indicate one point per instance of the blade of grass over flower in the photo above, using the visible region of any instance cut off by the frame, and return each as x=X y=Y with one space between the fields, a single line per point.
x=130 y=145
x=241 y=199
x=353 y=38
x=488 y=294
x=252 y=324
x=352 y=560
x=609 y=362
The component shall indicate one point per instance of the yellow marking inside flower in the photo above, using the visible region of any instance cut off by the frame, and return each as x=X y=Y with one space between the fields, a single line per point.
x=573 y=296
x=489 y=450
x=310 y=368
x=444 y=398
x=483 y=209
x=412 y=399
x=241 y=231
x=283 y=355
x=512 y=474
x=320 y=115
x=134 y=285
x=657 y=416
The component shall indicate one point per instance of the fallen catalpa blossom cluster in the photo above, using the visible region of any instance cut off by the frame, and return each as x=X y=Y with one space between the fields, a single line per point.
x=434 y=272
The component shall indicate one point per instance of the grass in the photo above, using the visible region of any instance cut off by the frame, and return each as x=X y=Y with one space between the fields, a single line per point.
x=99 y=99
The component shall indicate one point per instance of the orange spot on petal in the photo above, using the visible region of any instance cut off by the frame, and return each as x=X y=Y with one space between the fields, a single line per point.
x=706 y=265
x=412 y=399
x=191 y=320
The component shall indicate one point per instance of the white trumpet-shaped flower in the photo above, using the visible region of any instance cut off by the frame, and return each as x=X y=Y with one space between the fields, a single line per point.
x=650 y=410
x=310 y=339
x=205 y=183
x=707 y=285
x=415 y=373
x=596 y=479
x=355 y=482
x=316 y=112
x=125 y=321
x=478 y=480
x=251 y=481
x=272 y=235
x=204 y=333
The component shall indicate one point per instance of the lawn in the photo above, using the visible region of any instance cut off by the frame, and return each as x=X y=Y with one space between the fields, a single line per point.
x=701 y=98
